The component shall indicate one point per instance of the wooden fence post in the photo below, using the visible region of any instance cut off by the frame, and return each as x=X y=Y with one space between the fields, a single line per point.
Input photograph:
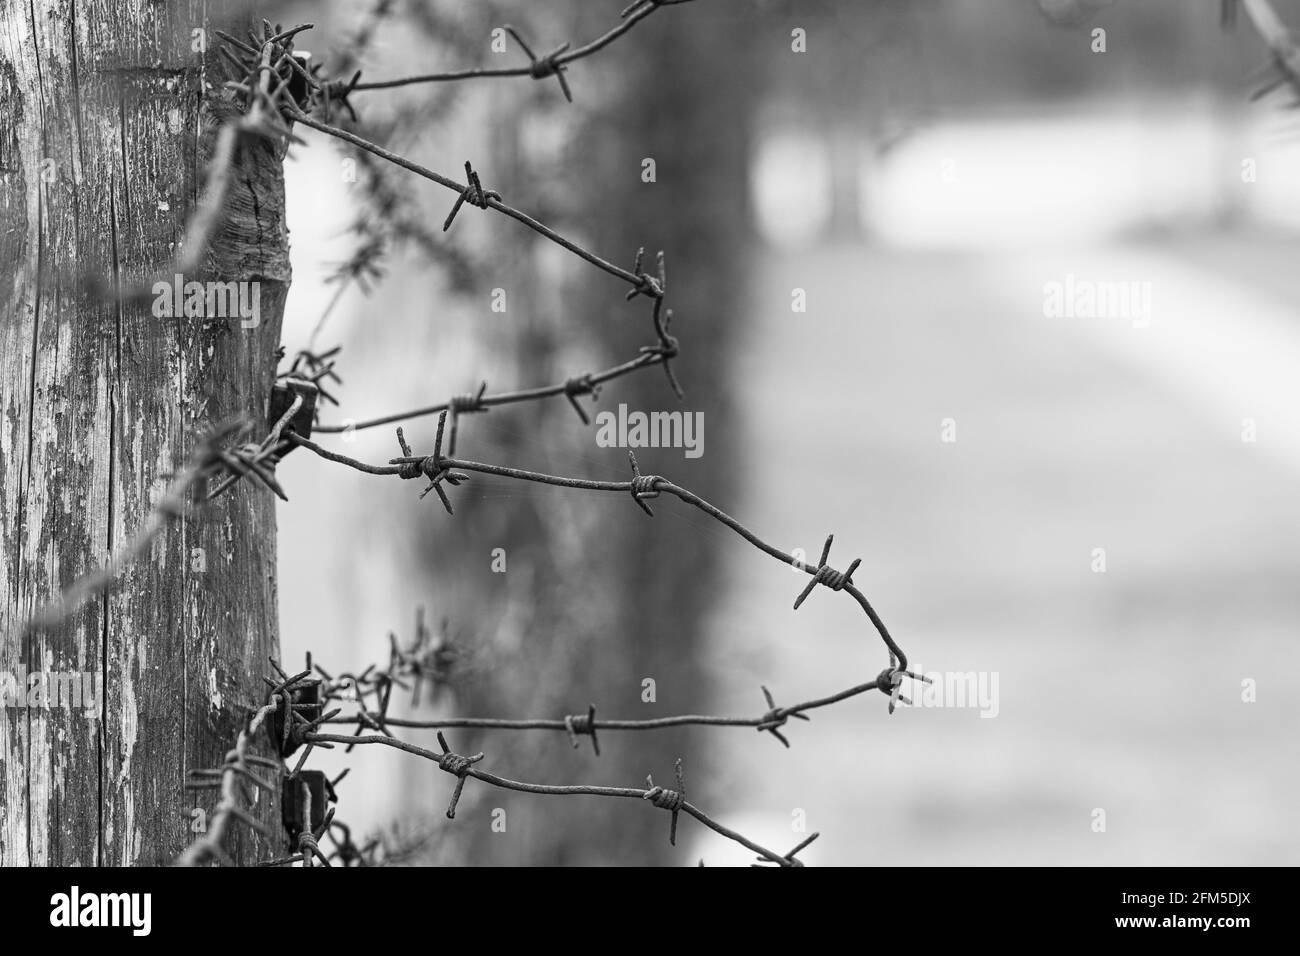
x=105 y=127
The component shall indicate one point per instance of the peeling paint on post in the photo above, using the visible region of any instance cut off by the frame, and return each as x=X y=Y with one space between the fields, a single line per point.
x=104 y=127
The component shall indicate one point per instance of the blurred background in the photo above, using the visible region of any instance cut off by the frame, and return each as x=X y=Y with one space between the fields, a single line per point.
x=917 y=178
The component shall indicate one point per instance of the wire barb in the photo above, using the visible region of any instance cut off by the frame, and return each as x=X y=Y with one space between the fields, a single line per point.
x=890 y=681
x=826 y=575
x=642 y=282
x=541 y=67
x=776 y=718
x=578 y=725
x=670 y=800
x=434 y=467
x=457 y=765
x=643 y=486
x=789 y=858
x=460 y=405
x=581 y=385
x=473 y=193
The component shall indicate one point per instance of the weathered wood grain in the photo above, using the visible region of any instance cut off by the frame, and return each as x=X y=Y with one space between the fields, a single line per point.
x=104 y=127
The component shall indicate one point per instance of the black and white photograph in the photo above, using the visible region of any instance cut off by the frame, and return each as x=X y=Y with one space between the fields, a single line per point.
x=650 y=433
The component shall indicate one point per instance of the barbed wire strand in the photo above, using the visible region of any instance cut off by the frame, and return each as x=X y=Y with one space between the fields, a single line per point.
x=258 y=459
x=579 y=725
x=484 y=199
x=585 y=384
x=268 y=110
x=462 y=766
x=331 y=91
x=440 y=470
x=237 y=771
x=553 y=64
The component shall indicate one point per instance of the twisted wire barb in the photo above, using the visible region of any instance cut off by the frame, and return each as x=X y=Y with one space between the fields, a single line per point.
x=314 y=367
x=309 y=850
x=666 y=799
x=473 y=193
x=427 y=660
x=825 y=575
x=789 y=857
x=257 y=458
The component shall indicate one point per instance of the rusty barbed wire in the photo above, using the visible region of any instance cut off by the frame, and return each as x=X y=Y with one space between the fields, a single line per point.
x=299 y=791
x=258 y=458
x=278 y=89
x=383 y=849
x=313 y=367
x=351 y=688
x=463 y=767
x=237 y=767
x=442 y=470
x=427 y=660
x=295 y=714
x=474 y=194
x=267 y=69
x=292 y=716
x=290 y=713
x=554 y=63
x=587 y=383
x=401 y=843
x=346 y=56
x=278 y=103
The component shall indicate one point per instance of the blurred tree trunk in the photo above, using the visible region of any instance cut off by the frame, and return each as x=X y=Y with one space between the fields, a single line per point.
x=103 y=139
x=604 y=596
x=689 y=101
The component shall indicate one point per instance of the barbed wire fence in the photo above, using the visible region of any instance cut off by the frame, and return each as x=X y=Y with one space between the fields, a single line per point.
x=272 y=88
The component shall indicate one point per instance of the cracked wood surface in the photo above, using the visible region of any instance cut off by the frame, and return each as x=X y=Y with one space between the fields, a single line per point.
x=104 y=127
